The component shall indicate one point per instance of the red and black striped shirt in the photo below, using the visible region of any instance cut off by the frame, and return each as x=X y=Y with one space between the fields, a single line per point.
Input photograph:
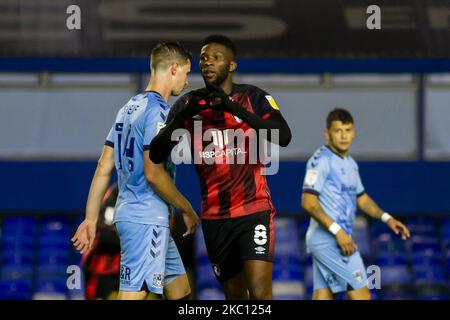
x=234 y=189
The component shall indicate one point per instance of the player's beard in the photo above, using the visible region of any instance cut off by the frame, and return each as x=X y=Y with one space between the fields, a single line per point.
x=221 y=76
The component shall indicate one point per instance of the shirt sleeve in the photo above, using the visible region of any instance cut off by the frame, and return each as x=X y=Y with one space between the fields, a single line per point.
x=263 y=103
x=177 y=106
x=317 y=171
x=359 y=186
x=110 y=137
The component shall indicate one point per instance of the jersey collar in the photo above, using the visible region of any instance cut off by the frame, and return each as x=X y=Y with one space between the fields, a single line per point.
x=326 y=146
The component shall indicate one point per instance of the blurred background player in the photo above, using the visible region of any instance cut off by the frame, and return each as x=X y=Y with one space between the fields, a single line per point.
x=101 y=264
x=150 y=261
x=332 y=190
x=237 y=212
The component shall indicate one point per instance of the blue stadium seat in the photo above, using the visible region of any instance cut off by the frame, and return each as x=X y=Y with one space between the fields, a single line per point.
x=54 y=242
x=51 y=272
x=288 y=285
x=17 y=246
x=28 y=223
x=361 y=239
x=429 y=275
x=288 y=260
x=286 y=236
x=22 y=273
x=302 y=227
x=291 y=274
x=15 y=290
x=77 y=294
x=308 y=279
x=285 y=229
x=287 y=248
x=50 y=290
x=203 y=261
x=54 y=226
x=210 y=294
x=445 y=234
x=308 y=260
x=425 y=247
x=206 y=277
x=387 y=243
x=394 y=295
x=55 y=222
x=377 y=227
x=19 y=239
x=18 y=233
x=422 y=226
x=53 y=257
x=391 y=259
x=433 y=292
x=445 y=227
x=424 y=259
x=200 y=247
x=395 y=275
x=17 y=257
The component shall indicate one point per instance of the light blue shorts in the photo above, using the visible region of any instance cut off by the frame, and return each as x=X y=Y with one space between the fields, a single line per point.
x=333 y=270
x=149 y=257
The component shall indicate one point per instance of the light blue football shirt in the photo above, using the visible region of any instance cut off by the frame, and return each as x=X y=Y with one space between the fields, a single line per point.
x=337 y=183
x=135 y=126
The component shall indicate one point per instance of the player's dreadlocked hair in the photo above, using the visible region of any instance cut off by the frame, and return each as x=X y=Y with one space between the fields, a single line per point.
x=166 y=53
x=223 y=40
x=339 y=114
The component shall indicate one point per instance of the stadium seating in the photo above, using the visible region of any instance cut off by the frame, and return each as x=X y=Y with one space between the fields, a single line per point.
x=36 y=252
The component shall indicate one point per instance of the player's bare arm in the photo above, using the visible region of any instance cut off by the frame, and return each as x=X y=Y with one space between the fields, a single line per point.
x=370 y=208
x=161 y=182
x=312 y=206
x=85 y=234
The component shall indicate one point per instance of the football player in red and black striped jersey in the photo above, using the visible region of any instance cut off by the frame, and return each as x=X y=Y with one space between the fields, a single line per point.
x=237 y=212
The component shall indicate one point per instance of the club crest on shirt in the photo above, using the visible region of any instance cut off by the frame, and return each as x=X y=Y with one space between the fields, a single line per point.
x=158 y=280
x=358 y=275
x=330 y=279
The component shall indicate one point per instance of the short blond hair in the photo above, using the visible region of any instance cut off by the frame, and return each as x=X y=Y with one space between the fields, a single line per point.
x=166 y=53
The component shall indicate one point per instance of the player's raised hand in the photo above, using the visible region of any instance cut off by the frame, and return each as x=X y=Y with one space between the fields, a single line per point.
x=85 y=235
x=198 y=101
x=220 y=100
x=398 y=228
x=346 y=243
x=191 y=221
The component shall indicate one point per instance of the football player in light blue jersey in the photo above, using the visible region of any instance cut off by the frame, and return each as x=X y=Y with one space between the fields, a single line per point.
x=150 y=261
x=332 y=192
